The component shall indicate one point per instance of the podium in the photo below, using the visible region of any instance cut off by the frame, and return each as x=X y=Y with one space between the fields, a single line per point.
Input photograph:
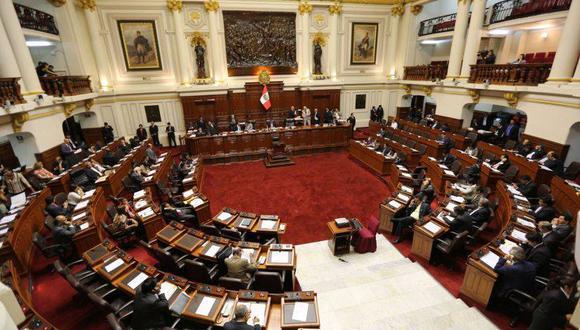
x=339 y=240
x=277 y=156
x=387 y=211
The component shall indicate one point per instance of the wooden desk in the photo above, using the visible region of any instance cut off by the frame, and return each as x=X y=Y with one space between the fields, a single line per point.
x=246 y=146
x=412 y=155
x=423 y=239
x=487 y=178
x=461 y=141
x=438 y=175
x=375 y=160
x=339 y=239
x=566 y=198
x=289 y=301
x=113 y=183
x=433 y=148
x=387 y=210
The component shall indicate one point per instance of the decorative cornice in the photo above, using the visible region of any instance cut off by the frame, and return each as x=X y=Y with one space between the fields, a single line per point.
x=69 y=108
x=18 y=120
x=416 y=9
x=475 y=95
x=398 y=10
x=335 y=8
x=512 y=99
x=407 y=89
x=58 y=3
x=197 y=38
x=89 y=104
x=211 y=5
x=304 y=8
x=87 y=4
x=264 y=77
x=174 y=5
x=428 y=90
x=462 y=1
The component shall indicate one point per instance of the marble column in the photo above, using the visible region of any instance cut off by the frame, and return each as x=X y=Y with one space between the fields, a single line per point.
x=568 y=48
x=212 y=6
x=30 y=83
x=175 y=6
x=458 y=42
x=396 y=12
x=335 y=9
x=8 y=64
x=505 y=54
x=473 y=37
x=305 y=8
x=576 y=78
x=90 y=10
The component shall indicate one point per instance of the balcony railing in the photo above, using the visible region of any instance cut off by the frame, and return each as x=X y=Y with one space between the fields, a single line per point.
x=438 y=24
x=513 y=9
x=510 y=74
x=429 y=72
x=66 y=85
x=10 y=91
x=33 y=19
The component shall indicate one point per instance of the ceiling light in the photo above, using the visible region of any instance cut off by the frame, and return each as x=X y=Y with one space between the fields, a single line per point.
x=499 y=32
x=434 y=42
x=38 y=43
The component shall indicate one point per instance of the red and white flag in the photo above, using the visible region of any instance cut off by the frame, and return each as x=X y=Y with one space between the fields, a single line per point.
x=265 y=99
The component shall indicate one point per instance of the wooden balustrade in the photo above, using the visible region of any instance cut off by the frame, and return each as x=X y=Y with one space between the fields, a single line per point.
x=429 y=72
x=34 y=19
x=10 y=91
x=510 y=74
x=66 y=85
x=513 y=9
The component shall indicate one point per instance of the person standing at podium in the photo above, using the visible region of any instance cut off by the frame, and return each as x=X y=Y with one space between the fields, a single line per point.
x=316 y=117
x=418 y=208
x=307 y=116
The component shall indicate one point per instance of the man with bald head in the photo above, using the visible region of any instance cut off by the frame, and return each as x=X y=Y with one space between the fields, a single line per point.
x=240 y=321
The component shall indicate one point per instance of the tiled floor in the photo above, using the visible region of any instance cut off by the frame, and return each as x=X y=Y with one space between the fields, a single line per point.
x=381 y=290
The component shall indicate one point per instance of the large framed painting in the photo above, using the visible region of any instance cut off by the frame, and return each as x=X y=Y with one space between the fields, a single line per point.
x=364 y=43
x=140 y=45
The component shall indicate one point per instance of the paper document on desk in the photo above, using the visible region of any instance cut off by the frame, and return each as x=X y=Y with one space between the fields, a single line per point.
x=448 y=172
x=521 y=198
x=81 y=205
x=406 y=189
x=146 y=213
x=491 y=259
x=167 y=289
x=186 y=180
x=134 y=283
x=84 y=225
x=152 y=172
x=89 y=194
x=267 y=224
x=159 y=160
x=187 y=194
x=432 y=159
x=196 y=202
x=224 y=216
x=401 y=167
x=507 y=246
x=406 y=175
x=212 y=251
x=450 y=206
x=432 y=227
x=140 y=204
x=457 y=199
x=7 y=219
x=114 y=265
x=247 y=254
x=403 y=197
x=526 y=223
x=17 y=201
x=521 y=208
x=139 y=194
x=394 y=204
x=443 y=167
x=519 y=235
x=205 y=306
x=280 y=257
x=300 y=312
x=79 y=216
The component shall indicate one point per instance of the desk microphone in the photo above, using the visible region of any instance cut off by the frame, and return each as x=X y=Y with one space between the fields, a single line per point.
x=342 y=260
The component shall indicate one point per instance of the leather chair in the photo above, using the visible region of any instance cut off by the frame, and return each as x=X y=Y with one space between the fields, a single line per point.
x=232 y=234
x=48 y=251
x=509 y=145
x=572 y=171
x=234 y=284
x=472 y=238
x=456 y=167
x=125 y=238
x=167 y=262
x=197 y=271
x=511 y=173
x=129 y=185
x=210 y=230
x=49 y=223
x=449 y=246
x=269 y=281
x=111 y=211
x=119 y=306
x=365 y=240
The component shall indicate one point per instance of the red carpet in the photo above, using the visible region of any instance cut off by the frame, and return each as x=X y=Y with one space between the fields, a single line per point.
x=316 y=190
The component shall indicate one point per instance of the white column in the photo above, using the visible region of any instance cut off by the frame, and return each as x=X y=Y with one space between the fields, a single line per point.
x=392 y=43
x=8 y=64
x=97 y=43
x=212 y=7
x=568 y=48
x=335 y=10
x=576 y=78
x=304 y=9
x=473 y=37
x=458 y=43
x=505 y=54
x=181 y=44
x=30 y=82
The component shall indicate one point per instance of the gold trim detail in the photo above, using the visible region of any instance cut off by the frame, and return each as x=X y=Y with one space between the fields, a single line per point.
x=89 y=104
x=561 y=104
x=319 y=38
x=416 y=9
x=264 y=77
x=87 y=4
x=398 y=10
x=18 y=120
x=335 y=8
x=174 y=5
x=32 y=93
x=407 y=89
x=197 y=38
x=69 y=108
x=304 y=8
x=475 y=95
x=512 y=99
x=58 y=3
x=559 y=79
x=462 y=1
x=211 y=5
x=428 y=90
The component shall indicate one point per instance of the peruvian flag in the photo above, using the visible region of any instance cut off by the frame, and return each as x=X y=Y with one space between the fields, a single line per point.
x=265 y=99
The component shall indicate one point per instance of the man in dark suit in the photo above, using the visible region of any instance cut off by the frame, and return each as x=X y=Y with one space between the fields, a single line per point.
x=462 y=222
x=515 y=273
x=108 y=135
x=240 y=321
x=170 y=130
x=125 y=148
x=380 y=113
x=291 y=113
x=561 y=225
x=482 y=213
x=527 y=187
x=503 y=164
x=211 y=128
x=426 y=189
x=549 y=237
x=524 y=148
x=418 y=208
x=315 y=117
x=141 y=133
x=136 y=176
x=473 y=173
x=150 y=309
x=154 y=131
x=445 y=141
x=179 y=214
x=544 y=211
x=511 y=132
x=448 y=159
x=327 y=116
x=53 y=209
x=553 y=306
x=67 y=151
x=201 y=124
x=552 y=162
x=62 y=235
x=536 y=154
x=538 y=253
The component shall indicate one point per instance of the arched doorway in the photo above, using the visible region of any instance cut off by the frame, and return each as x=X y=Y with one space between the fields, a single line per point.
x=18 y=149
x=573 y=141
x=491 y=121
x=415 y=107
x=83 y=128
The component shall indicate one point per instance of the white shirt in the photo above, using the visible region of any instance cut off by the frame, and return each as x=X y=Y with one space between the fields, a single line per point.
x=394 y=125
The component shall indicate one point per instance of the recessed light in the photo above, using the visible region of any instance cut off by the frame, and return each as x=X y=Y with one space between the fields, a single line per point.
x=38 y=43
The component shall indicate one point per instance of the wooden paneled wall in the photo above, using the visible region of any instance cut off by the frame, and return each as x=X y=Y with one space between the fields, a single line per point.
x=453 y=123
x=246 y=105
x=48 y=156
x=93 y=135
x=7 y=156
x=560 y=149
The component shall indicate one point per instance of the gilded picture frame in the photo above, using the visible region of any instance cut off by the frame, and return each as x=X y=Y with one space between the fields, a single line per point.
x=140 y=45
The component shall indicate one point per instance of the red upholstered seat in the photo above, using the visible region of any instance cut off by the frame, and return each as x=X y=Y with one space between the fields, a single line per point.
x=365 y=239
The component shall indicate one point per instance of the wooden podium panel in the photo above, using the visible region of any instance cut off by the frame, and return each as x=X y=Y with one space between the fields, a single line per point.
x=386 y=214
x=375 y=160
x=339 y=239
x=478 y=284
x=422 y=244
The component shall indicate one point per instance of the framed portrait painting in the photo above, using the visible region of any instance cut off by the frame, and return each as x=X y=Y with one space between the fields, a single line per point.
x=364 y=43
x=140 y=45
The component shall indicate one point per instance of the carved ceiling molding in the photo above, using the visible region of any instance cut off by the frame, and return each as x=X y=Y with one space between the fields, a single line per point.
x=416 y=9
x=304 y=7
x=335 y=8
x=57 y=3
x=428 y=90
x=68 y=108
x=87 y=4
x=211 y=5
x=512 y=99
x=18 y=120
x=89 y=104
x=475 y=95
x=174 y=5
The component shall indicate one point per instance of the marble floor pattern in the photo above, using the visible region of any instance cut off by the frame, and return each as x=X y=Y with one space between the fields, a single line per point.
x=381 y=290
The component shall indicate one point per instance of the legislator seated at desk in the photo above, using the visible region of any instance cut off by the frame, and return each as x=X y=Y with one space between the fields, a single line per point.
x=447 y=159
x=55 y=209
x=503 y=164
x=418 y=208
x=554 y=306
x=151 y=309
x=538 y=253
x=462 y=221
x=527 y=187
x=240 y=267
x=544 y=211
x=482 y=213
x=426 y=190
x=552 y=162
x=515 y=273
x=62 y=235
x=240 y=322
x=537 y=153
x=185 y=215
